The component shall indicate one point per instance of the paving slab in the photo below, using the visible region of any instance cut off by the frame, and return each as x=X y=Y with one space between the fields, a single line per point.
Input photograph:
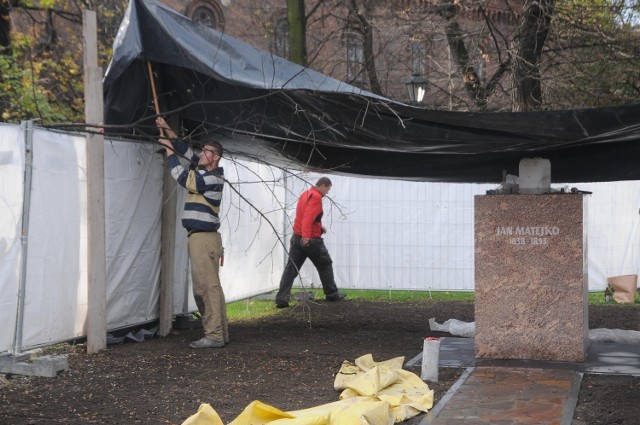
x=493 y=395
x=515 y=392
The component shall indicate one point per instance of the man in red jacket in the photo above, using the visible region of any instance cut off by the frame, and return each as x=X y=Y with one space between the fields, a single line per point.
x=307 y=242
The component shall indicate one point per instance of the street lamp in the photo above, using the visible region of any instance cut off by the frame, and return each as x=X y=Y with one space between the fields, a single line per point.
x=417 y=87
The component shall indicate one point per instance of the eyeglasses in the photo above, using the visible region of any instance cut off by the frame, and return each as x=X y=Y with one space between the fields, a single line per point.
x=211 y=151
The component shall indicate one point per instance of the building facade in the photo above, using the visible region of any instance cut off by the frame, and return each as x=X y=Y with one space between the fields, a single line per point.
x=457 y=47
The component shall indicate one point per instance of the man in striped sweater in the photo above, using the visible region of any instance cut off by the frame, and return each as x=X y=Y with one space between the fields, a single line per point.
x=204 y=180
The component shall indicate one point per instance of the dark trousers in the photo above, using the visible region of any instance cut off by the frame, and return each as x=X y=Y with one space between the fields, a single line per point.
x=317 y=252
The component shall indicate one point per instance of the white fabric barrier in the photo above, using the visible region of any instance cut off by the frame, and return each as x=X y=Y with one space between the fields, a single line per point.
x=613 y=230
x=395 y=235
x=253 y=256
x=251 y=222
x=133 y=175
x=399 y=235
x=11 y=199
x=133 y=213
x=55 y=305
x=404 y=235
x=382 y=234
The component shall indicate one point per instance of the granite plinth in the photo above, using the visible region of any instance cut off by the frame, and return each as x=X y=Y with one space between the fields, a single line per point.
x=530 y=277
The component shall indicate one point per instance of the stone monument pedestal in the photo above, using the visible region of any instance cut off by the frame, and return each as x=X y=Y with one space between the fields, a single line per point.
x=531 y=277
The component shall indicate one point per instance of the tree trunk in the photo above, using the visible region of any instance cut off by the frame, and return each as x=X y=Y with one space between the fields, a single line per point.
x=531 y=35
x=297 y=32
x=455 y=38
x=367 y=47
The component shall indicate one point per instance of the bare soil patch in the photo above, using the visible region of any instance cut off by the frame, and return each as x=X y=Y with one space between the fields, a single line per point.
x=288 y=361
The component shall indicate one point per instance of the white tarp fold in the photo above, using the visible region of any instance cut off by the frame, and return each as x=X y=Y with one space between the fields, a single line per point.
x=55 y=305
x=133 y=192
x=11 y=199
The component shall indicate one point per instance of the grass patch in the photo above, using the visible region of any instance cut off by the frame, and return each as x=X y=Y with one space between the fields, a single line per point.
x=251 y=308
x=400 y=296
x=255 y=308
x=598 y=298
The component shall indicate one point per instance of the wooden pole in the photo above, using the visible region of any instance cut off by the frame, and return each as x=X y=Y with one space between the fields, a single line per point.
x=153 y=88
x=96 y=250
x=155 y=93
x=168 y=234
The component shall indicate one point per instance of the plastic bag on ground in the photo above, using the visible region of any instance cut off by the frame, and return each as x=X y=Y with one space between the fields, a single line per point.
x=624 y=287
x=467 y=329
x=620 y=336
x=454 y=327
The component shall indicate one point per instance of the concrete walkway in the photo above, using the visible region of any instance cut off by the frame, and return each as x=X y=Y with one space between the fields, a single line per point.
x=510 y=396
x=515 y=392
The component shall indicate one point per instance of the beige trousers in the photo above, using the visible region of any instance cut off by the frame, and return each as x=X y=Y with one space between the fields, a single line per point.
x=205 y=250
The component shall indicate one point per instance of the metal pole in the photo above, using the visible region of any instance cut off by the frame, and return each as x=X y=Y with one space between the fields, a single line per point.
x=285 y=223
x=27 y=127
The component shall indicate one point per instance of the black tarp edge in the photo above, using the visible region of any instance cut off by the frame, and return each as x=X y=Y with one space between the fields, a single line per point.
x=264 y=107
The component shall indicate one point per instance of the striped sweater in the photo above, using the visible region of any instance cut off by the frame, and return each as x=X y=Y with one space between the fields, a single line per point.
x=202 y=206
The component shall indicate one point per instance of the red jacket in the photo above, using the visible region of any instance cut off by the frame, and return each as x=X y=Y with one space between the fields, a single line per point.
x=308 y=222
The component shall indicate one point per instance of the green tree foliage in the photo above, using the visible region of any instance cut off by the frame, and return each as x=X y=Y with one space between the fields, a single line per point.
x=590 y=58
x=40 y=83
x=594 y=54
x=41 y=68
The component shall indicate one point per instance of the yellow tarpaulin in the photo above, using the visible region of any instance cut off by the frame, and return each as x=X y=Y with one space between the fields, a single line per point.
x=204 y=416
x=373 y=393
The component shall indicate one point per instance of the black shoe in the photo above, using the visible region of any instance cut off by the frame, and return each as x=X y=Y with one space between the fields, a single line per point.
x=281 y=304
x=337 y=297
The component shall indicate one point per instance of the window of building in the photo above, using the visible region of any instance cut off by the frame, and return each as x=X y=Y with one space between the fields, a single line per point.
x=208 y=13
x=418 y=57
x=480 y=70
x=355 y=53
x=281 y=40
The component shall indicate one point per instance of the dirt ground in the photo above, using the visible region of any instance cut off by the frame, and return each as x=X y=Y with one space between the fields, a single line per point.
x=288 y=361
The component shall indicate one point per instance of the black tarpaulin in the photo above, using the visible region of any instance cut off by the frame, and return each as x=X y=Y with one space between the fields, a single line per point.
x=263 y=107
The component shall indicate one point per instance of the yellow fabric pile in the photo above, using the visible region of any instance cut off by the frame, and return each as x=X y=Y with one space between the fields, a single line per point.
x=372 y=394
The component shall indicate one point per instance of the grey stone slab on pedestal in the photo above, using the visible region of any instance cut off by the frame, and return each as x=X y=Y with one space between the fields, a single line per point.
x=604 y=358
